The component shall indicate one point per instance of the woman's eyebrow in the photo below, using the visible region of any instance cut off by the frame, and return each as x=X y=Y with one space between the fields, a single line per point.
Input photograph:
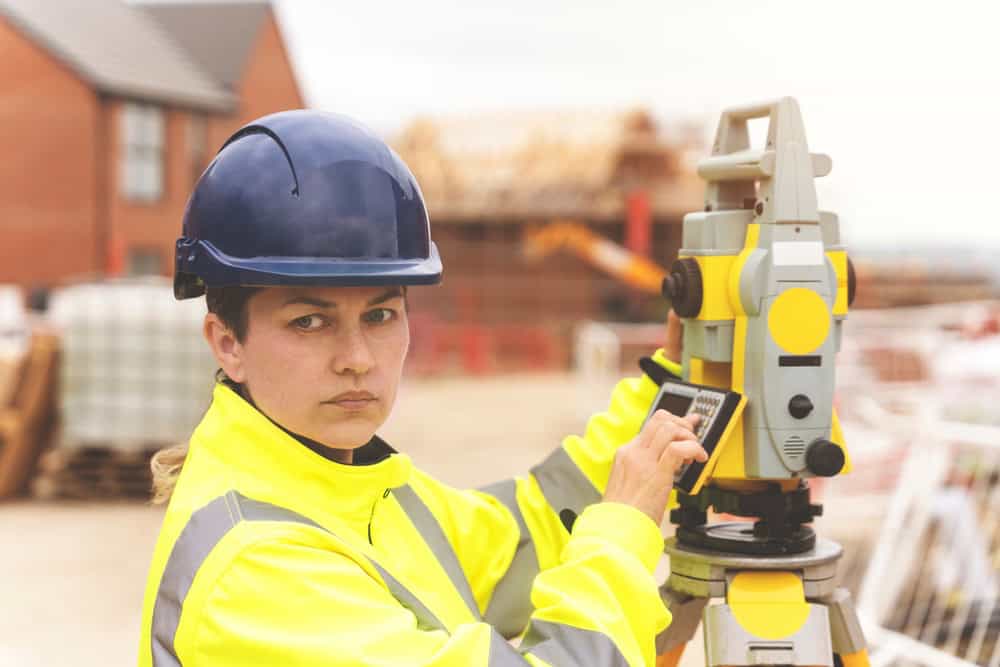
x=309 y=301
x=391 y=293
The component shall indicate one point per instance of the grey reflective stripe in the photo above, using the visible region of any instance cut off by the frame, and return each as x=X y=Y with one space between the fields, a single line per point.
x=559 y=645
x=425 y=619
x=565 y=646
x=510 y=607
x=254 y=510
x=203 y=531
x=206 y=528
x=563 y=484
x=431 y=531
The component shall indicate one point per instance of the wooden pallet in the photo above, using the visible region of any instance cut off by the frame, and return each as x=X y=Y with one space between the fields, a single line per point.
x=95 y=473
x=25 y=425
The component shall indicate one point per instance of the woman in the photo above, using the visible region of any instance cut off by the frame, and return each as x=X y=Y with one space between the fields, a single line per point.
x=294 y=535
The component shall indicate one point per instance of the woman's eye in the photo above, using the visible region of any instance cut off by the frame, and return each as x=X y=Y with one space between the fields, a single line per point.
x=379 y=315
x=308 y=322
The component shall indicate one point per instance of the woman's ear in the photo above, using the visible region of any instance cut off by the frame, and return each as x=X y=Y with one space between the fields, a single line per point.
x=225 y=346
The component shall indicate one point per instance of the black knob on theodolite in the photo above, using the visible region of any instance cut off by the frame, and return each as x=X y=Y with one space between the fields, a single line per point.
x=683 y=287
x=824 y=458
x=800 y=406
x=852 y=282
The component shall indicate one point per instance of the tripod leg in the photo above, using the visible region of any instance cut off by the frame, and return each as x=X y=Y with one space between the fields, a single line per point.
x=859 y=659
x=671 y=658
x=686 y=615
x=845 y=629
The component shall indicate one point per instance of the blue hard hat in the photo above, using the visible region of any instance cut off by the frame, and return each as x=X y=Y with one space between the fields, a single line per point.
x=305 y=198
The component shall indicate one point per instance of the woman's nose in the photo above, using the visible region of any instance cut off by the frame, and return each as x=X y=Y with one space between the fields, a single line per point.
x=352 y=354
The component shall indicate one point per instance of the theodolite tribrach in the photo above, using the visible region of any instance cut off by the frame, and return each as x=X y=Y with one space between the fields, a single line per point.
x=763 y=285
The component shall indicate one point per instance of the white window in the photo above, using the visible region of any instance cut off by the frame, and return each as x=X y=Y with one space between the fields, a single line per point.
x=142 y=152
x=145 y=262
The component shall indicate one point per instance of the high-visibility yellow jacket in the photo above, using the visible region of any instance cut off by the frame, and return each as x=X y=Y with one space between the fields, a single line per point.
x=271 y=554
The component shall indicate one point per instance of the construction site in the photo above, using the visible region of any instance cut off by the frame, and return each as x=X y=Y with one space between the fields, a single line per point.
x=557 y=230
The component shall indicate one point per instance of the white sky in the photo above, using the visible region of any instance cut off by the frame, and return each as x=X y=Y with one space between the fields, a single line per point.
x=904 y=96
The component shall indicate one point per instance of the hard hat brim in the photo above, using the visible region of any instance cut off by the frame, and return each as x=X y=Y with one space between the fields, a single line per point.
x=203 y=265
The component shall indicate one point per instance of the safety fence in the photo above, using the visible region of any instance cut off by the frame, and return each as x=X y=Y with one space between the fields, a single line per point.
x=931 y=592
x=918 y=396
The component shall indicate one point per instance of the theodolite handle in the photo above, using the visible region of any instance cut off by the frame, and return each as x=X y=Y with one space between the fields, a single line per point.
x=783 y=166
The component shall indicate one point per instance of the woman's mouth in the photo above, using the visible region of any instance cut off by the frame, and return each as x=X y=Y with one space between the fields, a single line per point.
x=353 y=400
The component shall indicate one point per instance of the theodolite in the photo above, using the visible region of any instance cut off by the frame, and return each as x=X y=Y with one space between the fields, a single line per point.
x=763 y=286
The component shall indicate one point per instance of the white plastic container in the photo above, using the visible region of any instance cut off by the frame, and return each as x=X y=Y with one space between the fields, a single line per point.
x=15 y=336
x=135 y=371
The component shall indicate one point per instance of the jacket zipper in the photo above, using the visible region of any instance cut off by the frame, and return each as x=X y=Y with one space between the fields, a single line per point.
x=371 y=516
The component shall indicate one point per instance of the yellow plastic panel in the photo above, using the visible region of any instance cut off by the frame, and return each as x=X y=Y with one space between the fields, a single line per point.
x=735 y=424
x=739 y=353
x=837 y=438
x=799 y=320
x=710 y=373
x=753 y=235
x=731 y=463
x=715 y=287
x=769 y=605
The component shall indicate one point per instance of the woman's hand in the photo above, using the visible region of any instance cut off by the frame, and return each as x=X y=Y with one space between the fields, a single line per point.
x=643 y=471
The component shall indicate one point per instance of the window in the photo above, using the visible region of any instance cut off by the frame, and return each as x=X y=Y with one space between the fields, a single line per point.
x=197 y=142
x=143 y=149
x=145 y=262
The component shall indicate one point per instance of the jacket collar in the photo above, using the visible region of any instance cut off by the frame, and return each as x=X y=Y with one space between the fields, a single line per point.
x=269 y=464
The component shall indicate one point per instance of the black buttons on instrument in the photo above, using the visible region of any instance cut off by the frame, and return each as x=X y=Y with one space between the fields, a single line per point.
x=824 y=458
x=800 y=406
x=704 y=405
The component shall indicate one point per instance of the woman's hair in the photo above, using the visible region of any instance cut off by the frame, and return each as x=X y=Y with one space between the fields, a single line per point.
x=230 y=304
x=166 y=465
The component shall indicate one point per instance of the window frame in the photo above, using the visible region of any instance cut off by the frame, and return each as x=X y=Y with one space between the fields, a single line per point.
x=143 y=149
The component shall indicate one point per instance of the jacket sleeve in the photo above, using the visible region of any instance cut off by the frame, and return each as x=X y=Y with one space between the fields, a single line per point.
x=289 y=603
x=507 y=533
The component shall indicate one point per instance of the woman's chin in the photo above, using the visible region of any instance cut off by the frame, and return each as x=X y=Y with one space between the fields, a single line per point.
x=349 y=438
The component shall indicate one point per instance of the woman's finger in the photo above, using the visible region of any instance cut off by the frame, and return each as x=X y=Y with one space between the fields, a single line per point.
x=687 y=450
x=652 y=426
x=687 y=421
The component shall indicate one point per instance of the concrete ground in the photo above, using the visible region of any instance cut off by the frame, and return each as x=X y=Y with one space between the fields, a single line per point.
x=73 y=573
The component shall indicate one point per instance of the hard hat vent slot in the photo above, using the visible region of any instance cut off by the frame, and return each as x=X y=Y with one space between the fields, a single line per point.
x=259 y=129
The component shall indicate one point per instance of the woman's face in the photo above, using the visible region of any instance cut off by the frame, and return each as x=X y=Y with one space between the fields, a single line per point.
x=324 y=362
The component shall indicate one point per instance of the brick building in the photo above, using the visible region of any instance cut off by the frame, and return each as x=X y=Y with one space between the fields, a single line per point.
x=109 y=112
x=492 y=179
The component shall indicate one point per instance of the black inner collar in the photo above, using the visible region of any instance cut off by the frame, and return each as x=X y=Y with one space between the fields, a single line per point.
x=374 y=451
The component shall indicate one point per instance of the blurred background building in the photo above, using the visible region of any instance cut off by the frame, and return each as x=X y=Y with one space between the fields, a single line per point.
x=495 y=181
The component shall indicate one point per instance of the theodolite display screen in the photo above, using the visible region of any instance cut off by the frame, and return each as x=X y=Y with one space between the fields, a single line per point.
x=675 y=404
x=718 y=409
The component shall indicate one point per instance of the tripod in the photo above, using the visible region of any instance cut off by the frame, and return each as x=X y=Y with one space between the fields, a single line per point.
x=781 y=603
